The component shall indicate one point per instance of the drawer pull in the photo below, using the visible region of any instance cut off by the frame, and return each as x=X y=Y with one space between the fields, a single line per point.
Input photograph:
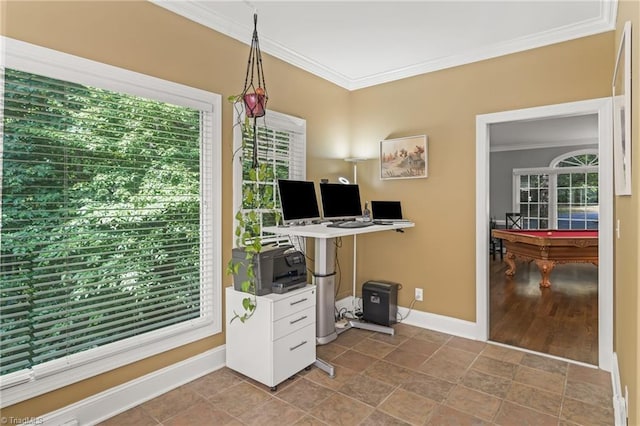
x=298 y=320
x=298 y=345
x=298 y=301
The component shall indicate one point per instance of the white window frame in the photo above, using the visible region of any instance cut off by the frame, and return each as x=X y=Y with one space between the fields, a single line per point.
x=274 y=121
x=552 y=171
x=517 y=173
x=47 y=377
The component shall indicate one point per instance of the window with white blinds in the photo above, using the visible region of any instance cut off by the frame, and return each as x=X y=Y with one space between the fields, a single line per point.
x=108 y=237
x=281 y=140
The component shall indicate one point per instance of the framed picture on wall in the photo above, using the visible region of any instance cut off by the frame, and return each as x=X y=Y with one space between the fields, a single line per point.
x=621 y=92
x=404 y=158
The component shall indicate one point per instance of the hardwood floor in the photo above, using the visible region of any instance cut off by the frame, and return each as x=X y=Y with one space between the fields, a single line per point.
x=561 y=320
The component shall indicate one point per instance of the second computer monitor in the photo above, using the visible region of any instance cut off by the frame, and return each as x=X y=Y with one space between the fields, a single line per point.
x=340 y=201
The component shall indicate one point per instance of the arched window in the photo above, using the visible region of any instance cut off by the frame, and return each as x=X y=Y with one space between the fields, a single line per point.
x=561 y=196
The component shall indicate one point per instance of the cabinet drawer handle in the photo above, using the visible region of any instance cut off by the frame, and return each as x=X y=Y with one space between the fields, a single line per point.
x=298 y=301
x=298 y=320
x=298 y=345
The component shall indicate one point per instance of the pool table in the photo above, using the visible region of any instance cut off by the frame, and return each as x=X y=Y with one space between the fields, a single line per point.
x=548 y=247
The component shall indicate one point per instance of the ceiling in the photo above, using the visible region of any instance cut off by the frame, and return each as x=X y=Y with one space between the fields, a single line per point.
x=566 y=131
x=356 y=44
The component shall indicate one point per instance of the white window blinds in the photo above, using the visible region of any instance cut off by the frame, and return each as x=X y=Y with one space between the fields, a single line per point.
x=107 y=243
x=281 y=143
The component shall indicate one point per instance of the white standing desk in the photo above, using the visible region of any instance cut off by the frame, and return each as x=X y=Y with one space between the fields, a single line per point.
x=324 y=271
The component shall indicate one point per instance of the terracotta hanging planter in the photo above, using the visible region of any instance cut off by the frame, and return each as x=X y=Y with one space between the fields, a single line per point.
x=254 y=104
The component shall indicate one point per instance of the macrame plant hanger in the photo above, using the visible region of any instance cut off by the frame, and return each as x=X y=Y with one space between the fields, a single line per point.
x=254 y=93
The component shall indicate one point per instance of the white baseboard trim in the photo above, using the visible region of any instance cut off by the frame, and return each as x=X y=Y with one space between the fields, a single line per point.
x=116 y=400
x=444 y=324
x=620 y=401
x=441 y=323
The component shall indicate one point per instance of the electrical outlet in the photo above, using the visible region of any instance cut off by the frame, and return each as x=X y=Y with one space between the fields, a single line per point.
x=419 y=294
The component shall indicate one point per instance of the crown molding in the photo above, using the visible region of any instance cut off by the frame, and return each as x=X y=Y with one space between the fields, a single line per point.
x=520 y=146
x=195 y=11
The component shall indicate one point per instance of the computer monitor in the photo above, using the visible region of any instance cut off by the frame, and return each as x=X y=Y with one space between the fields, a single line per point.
x=298 y=200
x=386 y=210
x=340 y=201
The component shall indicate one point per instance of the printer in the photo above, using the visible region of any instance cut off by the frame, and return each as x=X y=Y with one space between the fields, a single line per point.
x=278 y=269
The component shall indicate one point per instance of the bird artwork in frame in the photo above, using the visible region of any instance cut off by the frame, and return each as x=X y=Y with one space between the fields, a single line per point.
x=403 y=158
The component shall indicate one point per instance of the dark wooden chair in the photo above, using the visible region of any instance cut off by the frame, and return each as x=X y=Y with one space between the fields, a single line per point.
x=513 y=221
x=495 y=244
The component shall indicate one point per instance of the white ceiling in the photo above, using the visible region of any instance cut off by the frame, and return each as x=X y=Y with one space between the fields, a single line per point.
x=566 y=131
x=357 y=44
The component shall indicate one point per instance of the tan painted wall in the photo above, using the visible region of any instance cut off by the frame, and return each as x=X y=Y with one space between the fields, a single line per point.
x=627 y=248
x=438 y=254
x=146 y=38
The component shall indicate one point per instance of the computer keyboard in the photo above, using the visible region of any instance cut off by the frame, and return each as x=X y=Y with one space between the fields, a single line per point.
x=350 y=224
x=390 y=221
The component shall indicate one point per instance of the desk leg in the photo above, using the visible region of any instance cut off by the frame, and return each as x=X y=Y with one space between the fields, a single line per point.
x=325 y=281
x=326 y=286
x=326 y=367
x=371 y=327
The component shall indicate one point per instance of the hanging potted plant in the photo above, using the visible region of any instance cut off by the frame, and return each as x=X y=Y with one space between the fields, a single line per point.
x=255 y=103
x=254 y=97
x=256 y=195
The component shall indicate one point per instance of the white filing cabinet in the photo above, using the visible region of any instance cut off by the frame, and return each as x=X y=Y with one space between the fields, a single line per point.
x=278 y=340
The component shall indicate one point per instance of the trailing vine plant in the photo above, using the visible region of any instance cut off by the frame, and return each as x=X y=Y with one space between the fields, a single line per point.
x=257 y=189
x=257 y=198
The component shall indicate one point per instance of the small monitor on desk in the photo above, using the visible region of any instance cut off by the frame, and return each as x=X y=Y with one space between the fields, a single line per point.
x=340 y=201
x=299 y=201
x=386 y=210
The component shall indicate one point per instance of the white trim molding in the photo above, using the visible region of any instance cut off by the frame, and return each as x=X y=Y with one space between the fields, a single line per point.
x=427 y=320
x=620 y=401
x=116 y=400
x=603 y=108
x=52 y=375
x=202 y=13
x=119 y=399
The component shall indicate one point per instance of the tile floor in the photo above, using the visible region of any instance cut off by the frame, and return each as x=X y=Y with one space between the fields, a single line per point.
x=416 y=377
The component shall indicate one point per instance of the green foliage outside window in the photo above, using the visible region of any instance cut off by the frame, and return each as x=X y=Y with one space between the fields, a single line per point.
x=100 y=236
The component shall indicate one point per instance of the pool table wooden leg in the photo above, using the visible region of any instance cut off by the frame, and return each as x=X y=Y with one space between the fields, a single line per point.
x=510 y=260
x=545 y=267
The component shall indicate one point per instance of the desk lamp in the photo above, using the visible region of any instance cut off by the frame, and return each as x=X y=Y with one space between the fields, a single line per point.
x=355 y=161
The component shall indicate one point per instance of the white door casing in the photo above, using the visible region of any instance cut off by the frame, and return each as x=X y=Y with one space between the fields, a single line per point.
x=603 y=108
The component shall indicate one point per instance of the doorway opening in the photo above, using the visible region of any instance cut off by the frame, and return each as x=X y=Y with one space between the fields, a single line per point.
x=538 y=193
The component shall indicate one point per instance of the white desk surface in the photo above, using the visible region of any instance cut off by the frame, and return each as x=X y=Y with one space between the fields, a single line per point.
x=323 y=231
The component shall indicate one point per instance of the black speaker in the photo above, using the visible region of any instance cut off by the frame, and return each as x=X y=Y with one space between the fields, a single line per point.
x=380 y=302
